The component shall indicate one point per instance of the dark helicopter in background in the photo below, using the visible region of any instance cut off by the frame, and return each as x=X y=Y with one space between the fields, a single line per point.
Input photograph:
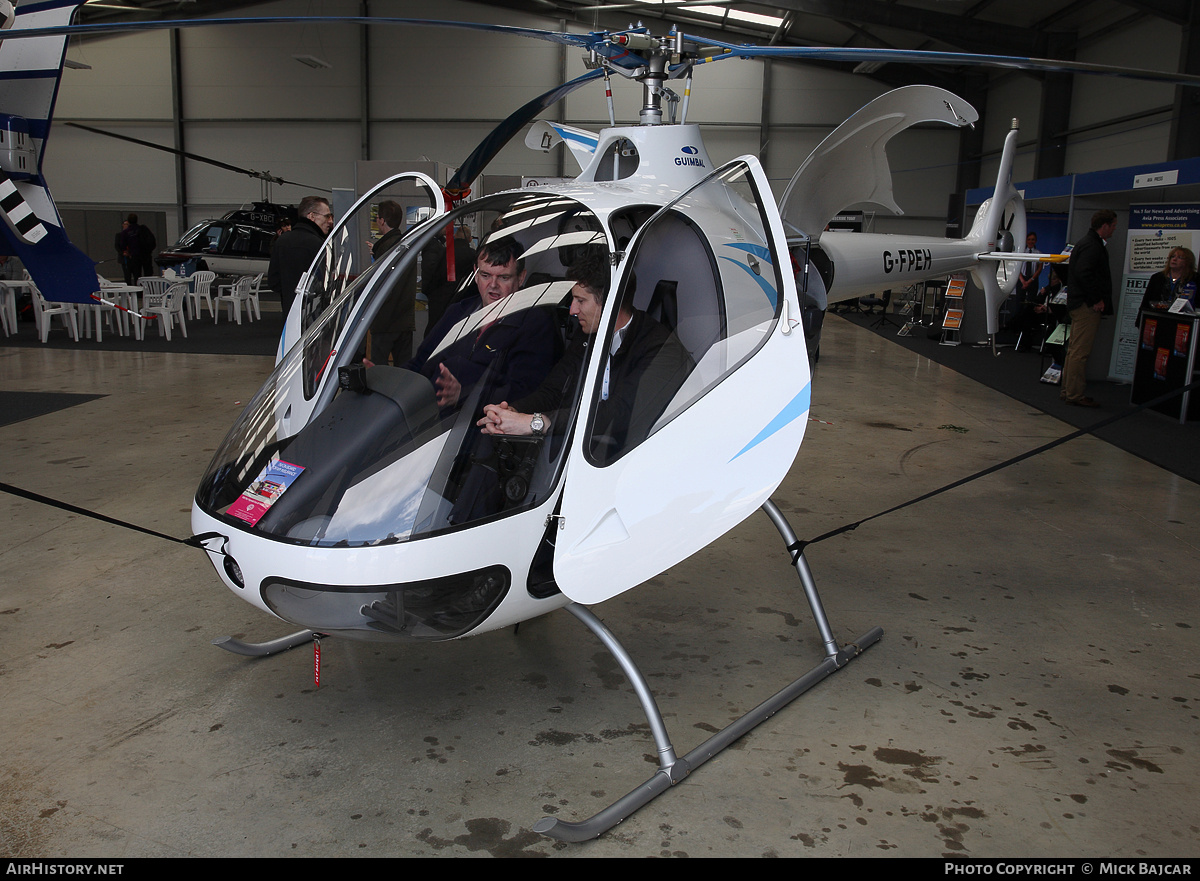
x=239 y=243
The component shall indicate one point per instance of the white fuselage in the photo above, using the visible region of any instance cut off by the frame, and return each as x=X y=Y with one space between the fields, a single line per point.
x=714 y=455
x=865 y=263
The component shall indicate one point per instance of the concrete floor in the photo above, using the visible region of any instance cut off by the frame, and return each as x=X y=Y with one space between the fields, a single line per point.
x=1036 y=692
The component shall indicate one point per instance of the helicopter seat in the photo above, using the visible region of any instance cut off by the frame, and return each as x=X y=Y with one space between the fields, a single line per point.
x=686 y=297
x=697 y=330
x=664 y=303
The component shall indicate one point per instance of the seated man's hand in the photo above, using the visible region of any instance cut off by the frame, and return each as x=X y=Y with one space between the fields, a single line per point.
x=503 y=419
x=447 y=387
x=491 y=416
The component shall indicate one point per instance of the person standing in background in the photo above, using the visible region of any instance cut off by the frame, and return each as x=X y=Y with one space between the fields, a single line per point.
x=1089 y=296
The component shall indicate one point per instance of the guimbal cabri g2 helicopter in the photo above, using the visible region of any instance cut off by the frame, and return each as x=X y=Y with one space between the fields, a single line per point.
x=374 y=501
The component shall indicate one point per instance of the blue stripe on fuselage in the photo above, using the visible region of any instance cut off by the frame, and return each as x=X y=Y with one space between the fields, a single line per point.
x=794 y=409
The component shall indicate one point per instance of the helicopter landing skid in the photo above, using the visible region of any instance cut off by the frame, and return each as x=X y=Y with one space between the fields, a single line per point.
x=262 y=649
x=671 y=769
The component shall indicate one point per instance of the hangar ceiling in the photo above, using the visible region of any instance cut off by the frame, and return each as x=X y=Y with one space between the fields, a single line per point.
x=1055 y=29
x=1039 y=28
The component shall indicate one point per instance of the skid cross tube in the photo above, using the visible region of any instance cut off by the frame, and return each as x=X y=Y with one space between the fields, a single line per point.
x=671 y=770
x=262 y=649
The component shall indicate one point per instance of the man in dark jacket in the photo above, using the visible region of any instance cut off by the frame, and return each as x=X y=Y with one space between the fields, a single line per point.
x=438 y=289
x=516 y=351
x=390 y=220
x=135 y=245
x=1089 y=296
x=394 y=325
x=645 y=367
x=293 y=252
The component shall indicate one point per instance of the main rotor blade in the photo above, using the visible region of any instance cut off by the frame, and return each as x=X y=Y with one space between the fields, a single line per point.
x=503 y=133
x=260 y=175
x=600 y=40
x=921 y=56
x=585 y=41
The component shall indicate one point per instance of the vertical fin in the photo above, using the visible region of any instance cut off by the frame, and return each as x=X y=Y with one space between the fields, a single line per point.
x=30 y=71
x=999 y=226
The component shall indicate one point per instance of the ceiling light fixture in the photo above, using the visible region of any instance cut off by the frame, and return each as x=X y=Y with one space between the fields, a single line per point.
x=869 y=66
x=313 y=61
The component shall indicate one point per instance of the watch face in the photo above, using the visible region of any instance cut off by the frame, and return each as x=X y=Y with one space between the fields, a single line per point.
x=537 y=423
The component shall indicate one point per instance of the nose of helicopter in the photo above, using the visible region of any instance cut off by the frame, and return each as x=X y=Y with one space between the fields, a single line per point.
x=280 y=579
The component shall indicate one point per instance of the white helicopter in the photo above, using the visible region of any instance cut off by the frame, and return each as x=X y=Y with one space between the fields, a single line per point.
x=375 y=527
x=365 y=501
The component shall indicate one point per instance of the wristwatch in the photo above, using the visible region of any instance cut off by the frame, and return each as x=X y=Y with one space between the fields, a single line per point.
x=537 y=424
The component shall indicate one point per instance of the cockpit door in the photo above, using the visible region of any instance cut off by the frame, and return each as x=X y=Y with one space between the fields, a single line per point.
x=666 y=458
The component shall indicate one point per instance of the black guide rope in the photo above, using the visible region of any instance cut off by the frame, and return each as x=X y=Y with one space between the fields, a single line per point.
x=796 y=548
x=195 y=541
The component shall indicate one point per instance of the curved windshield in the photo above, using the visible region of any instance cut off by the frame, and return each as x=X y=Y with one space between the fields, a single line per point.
x=207 y=236
x=394 y=451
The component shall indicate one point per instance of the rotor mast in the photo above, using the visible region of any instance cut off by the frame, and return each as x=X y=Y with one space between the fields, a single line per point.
x=653 y=90
x=657 y=55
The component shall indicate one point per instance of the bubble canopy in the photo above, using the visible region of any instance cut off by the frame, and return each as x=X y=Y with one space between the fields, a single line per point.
x=335 y=453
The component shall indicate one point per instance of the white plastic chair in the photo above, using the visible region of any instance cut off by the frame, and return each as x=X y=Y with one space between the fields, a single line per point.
x=113 y=292
x=169 y=308
x=44 y=311
x=252 y=297
x=154 y=288
x=238 y=293
x=102 y=313
x=201 y=292
x=8 y=309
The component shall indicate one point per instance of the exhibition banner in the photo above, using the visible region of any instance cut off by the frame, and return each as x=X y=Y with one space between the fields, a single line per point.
x=1153 y=231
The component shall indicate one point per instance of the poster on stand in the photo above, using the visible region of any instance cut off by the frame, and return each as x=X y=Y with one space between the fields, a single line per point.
x=1153 y=231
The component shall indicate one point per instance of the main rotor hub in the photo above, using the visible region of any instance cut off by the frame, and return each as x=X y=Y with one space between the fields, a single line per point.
x=648 y=59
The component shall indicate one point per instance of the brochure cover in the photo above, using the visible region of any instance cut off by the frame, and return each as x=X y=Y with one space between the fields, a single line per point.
x=264 y=491
x=1160 y=363
x=1183 y=331
x=953 y=319
x=1149 y=329
x=1059 y=336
